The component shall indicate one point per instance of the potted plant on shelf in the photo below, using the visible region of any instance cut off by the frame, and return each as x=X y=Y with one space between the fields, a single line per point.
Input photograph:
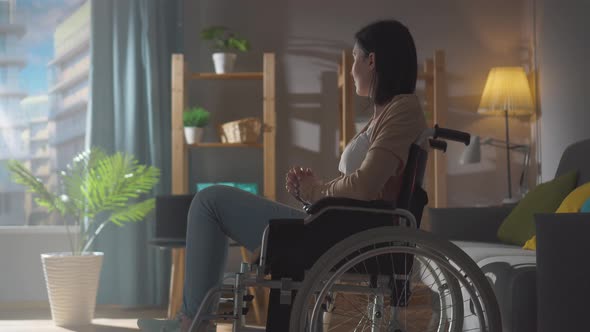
x=95 y=189
x=223 y=43
x=194 y=119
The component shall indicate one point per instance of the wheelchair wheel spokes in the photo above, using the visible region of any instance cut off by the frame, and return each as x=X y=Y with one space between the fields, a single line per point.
x=376 y=309
x=348 y=312
x=405 y=281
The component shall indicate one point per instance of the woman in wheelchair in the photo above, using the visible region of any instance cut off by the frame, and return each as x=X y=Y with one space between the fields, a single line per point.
x=384 y=70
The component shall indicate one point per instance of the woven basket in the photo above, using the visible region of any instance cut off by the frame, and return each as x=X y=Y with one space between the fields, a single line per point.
x=245 y=130
x=72 y=283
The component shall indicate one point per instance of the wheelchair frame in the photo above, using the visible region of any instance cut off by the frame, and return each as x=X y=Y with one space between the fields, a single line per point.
x=252 y=275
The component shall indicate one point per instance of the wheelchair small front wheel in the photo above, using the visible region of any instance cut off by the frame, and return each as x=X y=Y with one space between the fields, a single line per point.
x=395 y=279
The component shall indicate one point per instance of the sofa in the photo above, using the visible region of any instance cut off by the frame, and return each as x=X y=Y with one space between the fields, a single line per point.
x=511 y=270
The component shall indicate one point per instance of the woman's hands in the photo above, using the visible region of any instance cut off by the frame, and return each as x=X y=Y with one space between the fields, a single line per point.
x=299 y=182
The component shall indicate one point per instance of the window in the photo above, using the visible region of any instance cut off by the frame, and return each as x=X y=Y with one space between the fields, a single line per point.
x=5 y=11
x=5 y=204
x=3 y=76
x=2 y=43
x=53 y=38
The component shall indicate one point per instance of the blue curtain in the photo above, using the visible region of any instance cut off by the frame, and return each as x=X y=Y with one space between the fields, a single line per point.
x=129 y=111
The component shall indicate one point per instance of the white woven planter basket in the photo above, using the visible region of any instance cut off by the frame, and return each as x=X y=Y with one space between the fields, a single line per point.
x=72 y=283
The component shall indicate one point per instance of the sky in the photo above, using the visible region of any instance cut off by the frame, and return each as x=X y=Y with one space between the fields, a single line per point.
x=40 y=17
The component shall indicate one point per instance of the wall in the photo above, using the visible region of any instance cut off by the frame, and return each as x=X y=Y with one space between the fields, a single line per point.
x=563 y=55
x=21 y=272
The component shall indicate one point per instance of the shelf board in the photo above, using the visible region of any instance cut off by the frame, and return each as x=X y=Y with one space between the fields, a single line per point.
x=228 y=76
x=225 y=145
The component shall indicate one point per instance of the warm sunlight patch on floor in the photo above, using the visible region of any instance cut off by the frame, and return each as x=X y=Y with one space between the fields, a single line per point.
x=109 y=319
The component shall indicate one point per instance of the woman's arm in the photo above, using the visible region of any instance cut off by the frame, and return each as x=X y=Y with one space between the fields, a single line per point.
x=364 y=184
x=395 y=131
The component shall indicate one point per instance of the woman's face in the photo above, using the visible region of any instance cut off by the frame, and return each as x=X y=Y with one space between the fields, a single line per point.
x=363 y=69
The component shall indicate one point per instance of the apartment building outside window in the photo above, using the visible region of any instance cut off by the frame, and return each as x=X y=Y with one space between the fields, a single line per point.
x=2 y=43
x=44 y=60
x=5 y=10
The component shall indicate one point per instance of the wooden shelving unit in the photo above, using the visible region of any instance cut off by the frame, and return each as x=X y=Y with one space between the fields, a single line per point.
x=181 y=77
x=229 y=76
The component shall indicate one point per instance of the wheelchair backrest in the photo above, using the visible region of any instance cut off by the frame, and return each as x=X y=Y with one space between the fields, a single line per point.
x=412 y=196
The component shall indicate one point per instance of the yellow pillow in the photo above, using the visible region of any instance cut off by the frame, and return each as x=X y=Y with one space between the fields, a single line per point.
x=571 y=204
x=531 y=244
x=574 y=201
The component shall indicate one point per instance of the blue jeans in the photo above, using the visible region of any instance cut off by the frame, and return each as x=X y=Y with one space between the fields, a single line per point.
x=216 y=214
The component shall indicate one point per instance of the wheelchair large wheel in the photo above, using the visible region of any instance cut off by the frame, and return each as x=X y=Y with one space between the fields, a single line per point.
x=395 y=280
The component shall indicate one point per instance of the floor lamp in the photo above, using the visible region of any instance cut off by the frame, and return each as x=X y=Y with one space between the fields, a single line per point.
x=507 y=93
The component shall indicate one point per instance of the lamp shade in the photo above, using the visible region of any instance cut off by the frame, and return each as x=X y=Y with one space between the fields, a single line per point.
x=507 y=89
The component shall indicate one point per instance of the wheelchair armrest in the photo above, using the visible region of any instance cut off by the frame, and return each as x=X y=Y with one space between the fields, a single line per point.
x=347 y=202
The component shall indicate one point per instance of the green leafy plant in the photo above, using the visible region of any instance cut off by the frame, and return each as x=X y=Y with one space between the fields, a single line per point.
x=95 y=189
x=223 y=40
x=195 y=117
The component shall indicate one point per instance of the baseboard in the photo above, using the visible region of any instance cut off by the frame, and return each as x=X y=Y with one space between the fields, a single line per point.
x=40 y=305
x=18 y=305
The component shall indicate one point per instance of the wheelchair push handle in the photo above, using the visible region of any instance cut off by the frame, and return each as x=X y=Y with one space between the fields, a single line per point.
x=451 y=134
x=438 y=144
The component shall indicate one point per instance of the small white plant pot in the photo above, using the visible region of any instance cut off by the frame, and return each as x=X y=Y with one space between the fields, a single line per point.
x=224 y=62
x=193 y=134
x=72 y=283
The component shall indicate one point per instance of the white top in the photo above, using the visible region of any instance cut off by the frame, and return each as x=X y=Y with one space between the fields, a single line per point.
x=353 y=155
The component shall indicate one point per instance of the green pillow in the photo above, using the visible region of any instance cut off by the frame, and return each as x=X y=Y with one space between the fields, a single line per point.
x=519 y=226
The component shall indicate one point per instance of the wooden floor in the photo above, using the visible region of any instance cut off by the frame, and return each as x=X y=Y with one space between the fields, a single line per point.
x=107 y=319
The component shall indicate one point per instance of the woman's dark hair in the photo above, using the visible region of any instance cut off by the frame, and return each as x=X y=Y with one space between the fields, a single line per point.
x=396 y=64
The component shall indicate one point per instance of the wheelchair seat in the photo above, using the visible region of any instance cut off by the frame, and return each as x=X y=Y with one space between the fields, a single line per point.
x=348 y=202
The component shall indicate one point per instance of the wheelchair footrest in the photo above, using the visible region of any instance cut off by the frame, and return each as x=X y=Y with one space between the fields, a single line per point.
x=226 y=300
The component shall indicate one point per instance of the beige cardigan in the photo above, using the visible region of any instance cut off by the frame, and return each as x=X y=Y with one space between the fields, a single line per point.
x=396 y=128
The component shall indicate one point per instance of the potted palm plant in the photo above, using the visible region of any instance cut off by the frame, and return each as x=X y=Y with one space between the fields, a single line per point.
x=194 y=119
x=96 y=189
x=224 y=44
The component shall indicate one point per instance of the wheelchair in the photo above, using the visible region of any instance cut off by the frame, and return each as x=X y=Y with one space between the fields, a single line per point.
x=354 y=265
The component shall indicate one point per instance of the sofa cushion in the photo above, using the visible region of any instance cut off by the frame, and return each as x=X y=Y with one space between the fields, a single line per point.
x=574 y=200
x=519 y=226
x=531 y=244
x=478 y=251
x=573 y=203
